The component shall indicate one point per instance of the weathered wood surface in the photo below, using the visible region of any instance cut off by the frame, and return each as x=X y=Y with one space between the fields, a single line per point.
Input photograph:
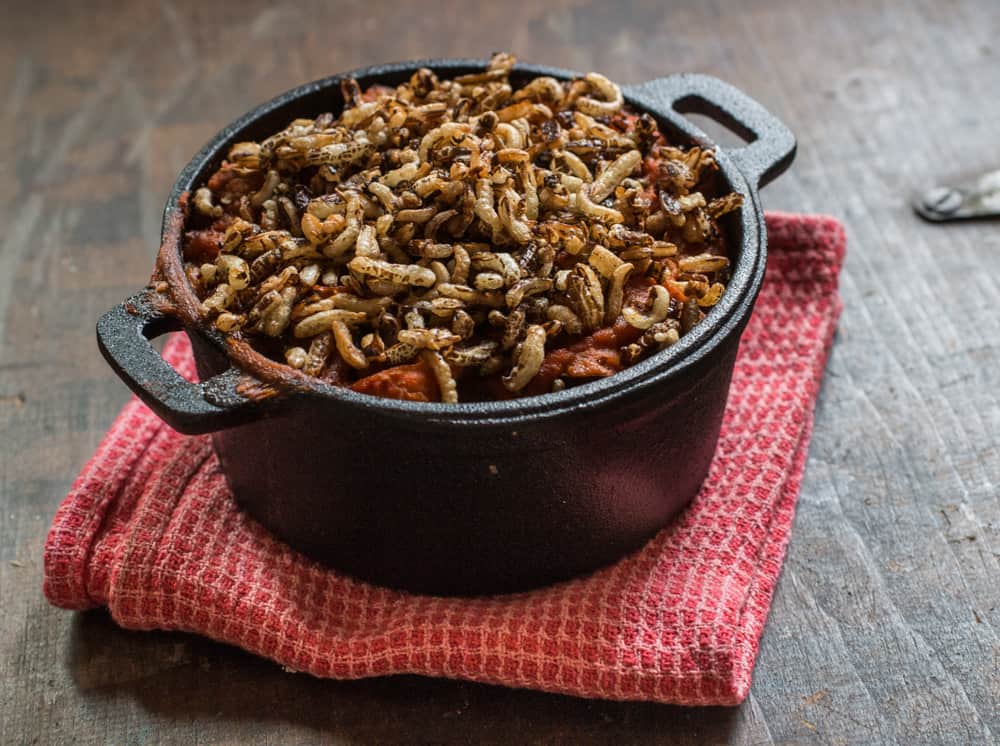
x=884 y=627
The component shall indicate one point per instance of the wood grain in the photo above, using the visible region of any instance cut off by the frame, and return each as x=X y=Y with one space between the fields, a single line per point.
x=884 y=626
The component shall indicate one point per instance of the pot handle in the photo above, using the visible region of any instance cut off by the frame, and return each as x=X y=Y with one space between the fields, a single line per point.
x=770 y=146
x=123 y=335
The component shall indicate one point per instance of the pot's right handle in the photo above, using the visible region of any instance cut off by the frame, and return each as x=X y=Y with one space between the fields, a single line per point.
x=123 y=335
x=771 y=145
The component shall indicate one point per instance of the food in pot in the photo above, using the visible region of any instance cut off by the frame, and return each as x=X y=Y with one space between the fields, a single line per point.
x=461 y=239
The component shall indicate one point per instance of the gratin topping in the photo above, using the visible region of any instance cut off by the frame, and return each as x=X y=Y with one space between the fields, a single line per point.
x=461 y=235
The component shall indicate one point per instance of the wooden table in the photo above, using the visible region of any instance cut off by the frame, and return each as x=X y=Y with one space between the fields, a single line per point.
x=884 y=626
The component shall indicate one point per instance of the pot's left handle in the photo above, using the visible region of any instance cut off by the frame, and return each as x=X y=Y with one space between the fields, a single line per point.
x=123 y=335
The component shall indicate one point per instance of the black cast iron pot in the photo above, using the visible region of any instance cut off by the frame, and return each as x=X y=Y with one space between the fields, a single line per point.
x=462 y=498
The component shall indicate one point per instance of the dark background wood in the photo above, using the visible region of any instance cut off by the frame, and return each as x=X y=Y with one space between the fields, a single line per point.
x=884 y=626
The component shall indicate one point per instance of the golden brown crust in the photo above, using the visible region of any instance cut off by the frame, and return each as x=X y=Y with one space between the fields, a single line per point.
x=459 y=222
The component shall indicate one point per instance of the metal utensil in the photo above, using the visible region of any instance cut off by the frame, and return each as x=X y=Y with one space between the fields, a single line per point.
x=981 y=199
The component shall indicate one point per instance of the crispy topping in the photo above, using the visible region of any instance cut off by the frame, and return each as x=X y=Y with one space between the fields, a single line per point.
x=461 y=232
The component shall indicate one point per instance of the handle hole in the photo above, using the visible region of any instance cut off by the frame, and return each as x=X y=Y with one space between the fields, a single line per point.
x=719 y=125
x=160 y=326
x=160 y=332
x=720 y=135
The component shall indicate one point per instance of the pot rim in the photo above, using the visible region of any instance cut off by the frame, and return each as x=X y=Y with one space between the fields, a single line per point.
x=727 y=317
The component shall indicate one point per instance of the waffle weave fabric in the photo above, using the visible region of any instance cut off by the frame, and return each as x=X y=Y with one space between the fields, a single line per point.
x=151 y=531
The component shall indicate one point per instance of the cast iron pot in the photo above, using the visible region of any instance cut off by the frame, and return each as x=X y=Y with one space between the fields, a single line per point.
x=466 y=498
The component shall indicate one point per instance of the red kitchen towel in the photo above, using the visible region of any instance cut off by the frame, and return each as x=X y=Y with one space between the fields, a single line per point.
x=151 y=531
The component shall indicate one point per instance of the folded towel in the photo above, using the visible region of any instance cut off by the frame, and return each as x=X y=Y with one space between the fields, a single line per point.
x=151 y=531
